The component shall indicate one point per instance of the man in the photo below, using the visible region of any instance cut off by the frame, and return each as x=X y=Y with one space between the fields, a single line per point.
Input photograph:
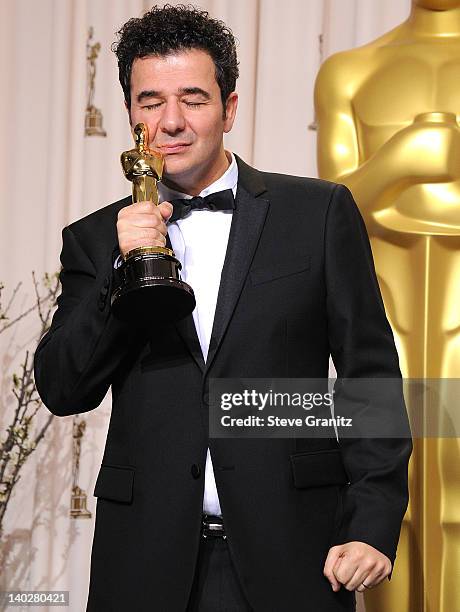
x=281 y=280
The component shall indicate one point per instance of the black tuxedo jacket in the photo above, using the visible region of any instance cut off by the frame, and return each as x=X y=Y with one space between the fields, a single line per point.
x=298 y=284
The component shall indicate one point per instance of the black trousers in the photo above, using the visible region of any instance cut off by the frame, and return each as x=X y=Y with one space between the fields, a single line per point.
x=216 y=587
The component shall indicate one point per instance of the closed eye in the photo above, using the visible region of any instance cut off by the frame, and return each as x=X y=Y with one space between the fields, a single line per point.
x=152 y=106
x=158 y=104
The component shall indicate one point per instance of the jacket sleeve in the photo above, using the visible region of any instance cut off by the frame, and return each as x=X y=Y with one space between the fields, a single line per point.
x=77 y=358
x=362 y=347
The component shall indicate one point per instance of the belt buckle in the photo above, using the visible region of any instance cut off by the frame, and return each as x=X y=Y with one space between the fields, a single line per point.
x=212 y=527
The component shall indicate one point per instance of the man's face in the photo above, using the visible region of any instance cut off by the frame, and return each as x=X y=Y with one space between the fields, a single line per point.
x=178 y=97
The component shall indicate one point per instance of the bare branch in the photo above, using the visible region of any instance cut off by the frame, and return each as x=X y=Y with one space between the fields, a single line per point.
x=19 y=441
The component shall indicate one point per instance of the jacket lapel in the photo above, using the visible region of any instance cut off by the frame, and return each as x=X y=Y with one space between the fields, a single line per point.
x=187 y=331
x=247 y=223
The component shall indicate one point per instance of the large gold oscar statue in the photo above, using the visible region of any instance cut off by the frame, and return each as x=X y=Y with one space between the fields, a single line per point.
x=388 y=129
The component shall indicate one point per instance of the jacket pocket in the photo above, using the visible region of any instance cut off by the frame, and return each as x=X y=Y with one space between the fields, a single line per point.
x=115 y=483
x=318 y=469
x=279 y=270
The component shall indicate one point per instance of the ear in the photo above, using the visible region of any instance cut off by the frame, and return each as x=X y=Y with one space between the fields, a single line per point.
x=230 y=110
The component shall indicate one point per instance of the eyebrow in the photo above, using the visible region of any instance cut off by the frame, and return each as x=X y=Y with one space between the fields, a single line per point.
x=195 y=90
x=153 y=93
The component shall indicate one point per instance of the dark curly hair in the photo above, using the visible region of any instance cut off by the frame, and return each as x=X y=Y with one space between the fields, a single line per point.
x=168 y=29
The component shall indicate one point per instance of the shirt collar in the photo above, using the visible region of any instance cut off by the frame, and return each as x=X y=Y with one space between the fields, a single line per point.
x=228 y=180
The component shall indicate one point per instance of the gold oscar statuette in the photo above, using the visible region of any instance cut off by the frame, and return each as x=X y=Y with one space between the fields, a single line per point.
x=93 y=116
x=150 y=278
x=78 y=500
x=388 y=128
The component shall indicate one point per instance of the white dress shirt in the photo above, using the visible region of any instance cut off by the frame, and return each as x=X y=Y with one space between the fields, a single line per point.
x=200 y=242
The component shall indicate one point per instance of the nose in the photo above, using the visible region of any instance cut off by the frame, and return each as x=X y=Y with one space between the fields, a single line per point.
x=172 y=119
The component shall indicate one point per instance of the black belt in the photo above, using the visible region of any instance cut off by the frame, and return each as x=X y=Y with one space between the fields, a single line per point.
x=212 y=527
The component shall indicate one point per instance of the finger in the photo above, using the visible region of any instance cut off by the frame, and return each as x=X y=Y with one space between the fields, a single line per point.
x=154 y=236
x=142 y=222
x=346 y=569
x=375 y=577
x=140 y=208
x=166 y=210
x=144 y=206
x=362 y=587
x=332 y=558
x=142 y=239
x=359 y=577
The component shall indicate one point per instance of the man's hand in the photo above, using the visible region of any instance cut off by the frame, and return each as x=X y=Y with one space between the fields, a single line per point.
x=142 y=224
x=356 y=565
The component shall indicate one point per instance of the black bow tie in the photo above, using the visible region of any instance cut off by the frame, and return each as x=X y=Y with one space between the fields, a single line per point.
x=220 y=200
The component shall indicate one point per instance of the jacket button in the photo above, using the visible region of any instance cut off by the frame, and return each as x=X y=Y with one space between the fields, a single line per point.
x=206 y=398
x=196 y=471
